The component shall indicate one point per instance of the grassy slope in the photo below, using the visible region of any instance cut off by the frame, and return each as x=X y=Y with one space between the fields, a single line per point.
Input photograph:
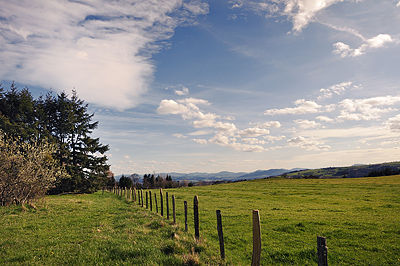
x=360 y=218
x=349 y=171
x=90 y=230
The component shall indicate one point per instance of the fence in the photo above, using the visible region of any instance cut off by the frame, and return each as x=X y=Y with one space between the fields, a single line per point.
x=137 y=196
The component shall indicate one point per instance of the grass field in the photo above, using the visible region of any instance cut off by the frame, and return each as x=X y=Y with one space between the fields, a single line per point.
x=359 y=217
x=91 y=229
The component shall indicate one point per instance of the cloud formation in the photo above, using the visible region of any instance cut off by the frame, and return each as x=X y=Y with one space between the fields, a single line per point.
x=308 y=144
x=302 y=12
x=303 y=107
x=366 y=109
x=224 y=133
x=344 y=50
x=100 y=48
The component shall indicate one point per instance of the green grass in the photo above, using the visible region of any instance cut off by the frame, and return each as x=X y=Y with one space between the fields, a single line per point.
x=359 y=217
x=91 y=229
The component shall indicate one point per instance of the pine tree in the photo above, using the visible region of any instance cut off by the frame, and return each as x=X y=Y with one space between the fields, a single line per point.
x=63 y=122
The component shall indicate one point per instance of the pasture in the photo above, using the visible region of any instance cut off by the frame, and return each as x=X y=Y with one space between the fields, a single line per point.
x=359 y=217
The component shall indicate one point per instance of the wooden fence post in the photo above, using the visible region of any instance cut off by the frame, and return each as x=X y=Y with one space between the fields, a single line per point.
x=256 y=239
x=173 y=208
x=186 y=214
x=138 y=196
x=196 y=217
x=147 y=199
x=141 y=195
x=161 y=202
x=322 y=251
x=151 y=201
x=167 y=201
x=155 y=199
x=134 y=194
x=220 y=234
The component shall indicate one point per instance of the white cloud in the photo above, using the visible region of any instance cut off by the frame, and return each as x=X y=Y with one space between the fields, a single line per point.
x=200 y=141
x=246 y=147
x=308 y=143
x=201 y=132
x=325 y=119
x=303 y=107
x=302 y=12
x=274 y=138
x=269 y=124
x=394 y=123
x=171 y=107
x=254 y=141
x=183 y=92
x=253 y=132
x=338 y=89
x=344 y=50
x=366 y=109
x=101 y=49
x=179 y=136
x=306 y=124
x=220 y=139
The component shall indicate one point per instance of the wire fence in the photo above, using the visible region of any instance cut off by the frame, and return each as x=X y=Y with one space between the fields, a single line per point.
x=287 y=251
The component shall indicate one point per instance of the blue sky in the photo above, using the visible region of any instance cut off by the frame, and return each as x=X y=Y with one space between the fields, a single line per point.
x=208 y=86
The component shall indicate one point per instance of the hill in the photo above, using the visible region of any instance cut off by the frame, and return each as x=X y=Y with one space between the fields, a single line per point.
x=358 y=170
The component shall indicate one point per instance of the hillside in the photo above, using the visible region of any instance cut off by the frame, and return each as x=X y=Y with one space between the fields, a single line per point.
x=381 y=169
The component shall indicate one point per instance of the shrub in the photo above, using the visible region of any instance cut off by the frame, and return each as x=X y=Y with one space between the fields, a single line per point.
x=27 y=170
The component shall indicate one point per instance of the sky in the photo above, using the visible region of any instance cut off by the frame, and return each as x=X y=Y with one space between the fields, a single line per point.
x=207 y=86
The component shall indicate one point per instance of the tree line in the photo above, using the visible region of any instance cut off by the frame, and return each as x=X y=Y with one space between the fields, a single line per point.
x=55 y=131
x=150 y=181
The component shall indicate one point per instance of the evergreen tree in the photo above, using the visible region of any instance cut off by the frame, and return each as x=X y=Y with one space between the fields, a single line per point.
x=64 y=122
x=70 y=125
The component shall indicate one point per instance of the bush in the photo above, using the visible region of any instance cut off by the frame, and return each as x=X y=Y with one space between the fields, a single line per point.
x=27 y=170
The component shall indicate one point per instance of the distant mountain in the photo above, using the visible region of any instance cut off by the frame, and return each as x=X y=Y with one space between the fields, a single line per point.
x=265 y=173
x=224 y=175
x=357 y=170
x=230 y=176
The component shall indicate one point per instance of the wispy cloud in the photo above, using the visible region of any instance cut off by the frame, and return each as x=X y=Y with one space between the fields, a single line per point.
x=302 y=12
x=308 y=143
x=344 y=50
x=100 y=48
x=303 y=107
x=338 y=89
x=183 y=92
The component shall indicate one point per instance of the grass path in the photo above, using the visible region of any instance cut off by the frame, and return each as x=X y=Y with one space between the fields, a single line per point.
x=91 y=229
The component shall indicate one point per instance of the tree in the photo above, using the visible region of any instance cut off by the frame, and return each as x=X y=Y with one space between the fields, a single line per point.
x=70 y=124
x=27 y=170
x=18 y=113
x=65 y=122
x=125 y=181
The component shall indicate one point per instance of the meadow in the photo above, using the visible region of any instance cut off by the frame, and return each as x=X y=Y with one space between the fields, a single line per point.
x=91 y=229
x=359 y=217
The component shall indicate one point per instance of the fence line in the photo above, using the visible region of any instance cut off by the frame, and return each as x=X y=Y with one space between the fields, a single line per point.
x=322 y=249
